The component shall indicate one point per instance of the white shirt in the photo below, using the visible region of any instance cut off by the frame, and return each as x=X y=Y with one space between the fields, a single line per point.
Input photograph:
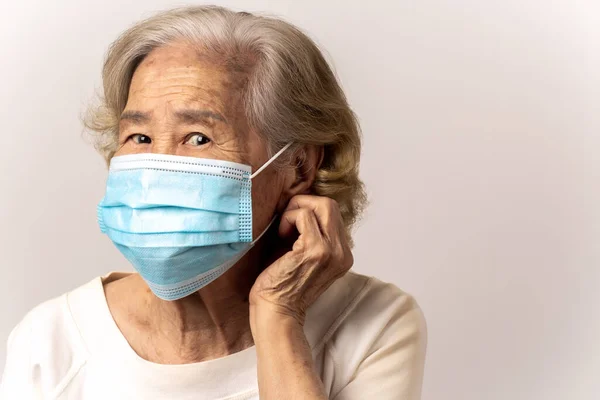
x=367 y=338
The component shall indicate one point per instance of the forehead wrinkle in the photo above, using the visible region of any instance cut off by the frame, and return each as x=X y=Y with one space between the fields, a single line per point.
x=184 y=77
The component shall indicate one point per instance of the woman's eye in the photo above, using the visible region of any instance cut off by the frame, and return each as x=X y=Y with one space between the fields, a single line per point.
x=197 y=139
x=138 y=138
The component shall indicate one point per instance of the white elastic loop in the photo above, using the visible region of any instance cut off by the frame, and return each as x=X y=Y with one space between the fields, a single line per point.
x=264 y=231
x=265 y=165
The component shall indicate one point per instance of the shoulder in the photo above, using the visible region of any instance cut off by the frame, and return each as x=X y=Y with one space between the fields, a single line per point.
x=363 y=307
x=384 y=302
x=45 y=349
x=378 y=336
x=387 y=318
x=48 y=327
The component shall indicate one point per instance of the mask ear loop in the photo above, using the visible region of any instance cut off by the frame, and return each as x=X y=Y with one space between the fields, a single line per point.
x=265 y=165
x=258 y=171
x=264 y=231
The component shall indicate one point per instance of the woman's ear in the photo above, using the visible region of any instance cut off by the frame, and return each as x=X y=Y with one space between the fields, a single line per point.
x=302 y=173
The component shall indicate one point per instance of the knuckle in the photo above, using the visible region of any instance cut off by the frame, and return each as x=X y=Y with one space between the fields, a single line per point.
x=338 y=252
x=304 y=212
x=321 y=252
x=343 y=257
x=349 y=261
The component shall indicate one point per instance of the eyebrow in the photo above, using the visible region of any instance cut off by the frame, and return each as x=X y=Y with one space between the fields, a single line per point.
x=192 y=116
x=135 y=116
x=189 y=116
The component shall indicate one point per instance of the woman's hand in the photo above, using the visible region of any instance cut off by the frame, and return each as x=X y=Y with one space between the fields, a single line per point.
x=319 y=256
x=285 y=289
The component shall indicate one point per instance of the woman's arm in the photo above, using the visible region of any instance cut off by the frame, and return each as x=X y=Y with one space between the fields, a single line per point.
x=283 y=292
x=284 y=359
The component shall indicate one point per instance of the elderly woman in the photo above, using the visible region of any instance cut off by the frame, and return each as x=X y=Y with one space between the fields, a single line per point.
x=232 y=188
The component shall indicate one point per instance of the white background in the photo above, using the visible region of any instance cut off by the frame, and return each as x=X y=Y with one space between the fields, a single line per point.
x=481 y=140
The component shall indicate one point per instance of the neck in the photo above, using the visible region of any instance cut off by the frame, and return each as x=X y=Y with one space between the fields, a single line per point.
x=211 y=323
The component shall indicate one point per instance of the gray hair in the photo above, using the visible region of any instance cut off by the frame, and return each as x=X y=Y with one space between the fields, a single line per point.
x=291 y=94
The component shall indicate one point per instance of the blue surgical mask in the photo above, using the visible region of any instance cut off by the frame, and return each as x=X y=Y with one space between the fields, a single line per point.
x=180 y=221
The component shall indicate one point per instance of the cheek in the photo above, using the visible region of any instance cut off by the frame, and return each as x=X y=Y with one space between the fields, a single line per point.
x=266 y=190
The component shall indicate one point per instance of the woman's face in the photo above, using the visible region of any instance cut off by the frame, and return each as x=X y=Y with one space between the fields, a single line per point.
x=183 y=103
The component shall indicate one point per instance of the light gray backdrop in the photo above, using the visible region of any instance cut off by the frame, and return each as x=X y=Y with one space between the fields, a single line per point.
x=481 y=137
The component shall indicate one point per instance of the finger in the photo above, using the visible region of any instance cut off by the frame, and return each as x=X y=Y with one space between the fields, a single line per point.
x=302 y=220
x=325 y=209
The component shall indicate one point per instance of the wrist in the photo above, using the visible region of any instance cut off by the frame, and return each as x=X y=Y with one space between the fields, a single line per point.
x=269 y=320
